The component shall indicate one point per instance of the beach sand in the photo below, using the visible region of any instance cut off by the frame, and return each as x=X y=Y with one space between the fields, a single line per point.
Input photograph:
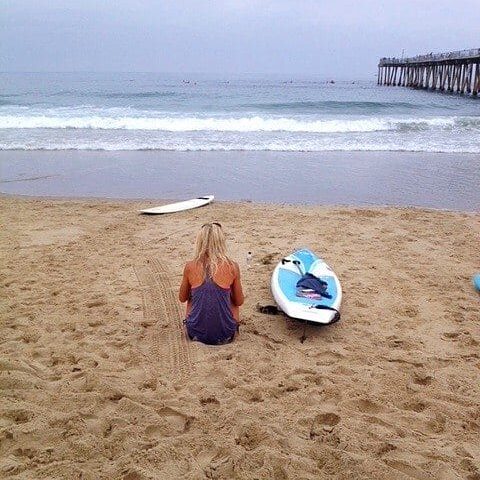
x=98 y=381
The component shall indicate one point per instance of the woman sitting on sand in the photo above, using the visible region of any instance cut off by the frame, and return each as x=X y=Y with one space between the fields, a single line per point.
x=212 y=289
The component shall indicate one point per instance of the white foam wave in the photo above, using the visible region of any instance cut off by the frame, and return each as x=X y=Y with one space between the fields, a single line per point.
x=274 y=146
x=244 y=124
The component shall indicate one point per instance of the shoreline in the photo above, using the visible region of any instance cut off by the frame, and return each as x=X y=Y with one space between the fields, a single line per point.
x=99 y=379
x=152 y=202
x=441 y=181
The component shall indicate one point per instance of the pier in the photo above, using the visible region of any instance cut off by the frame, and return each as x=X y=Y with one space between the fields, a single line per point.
x=454 y=72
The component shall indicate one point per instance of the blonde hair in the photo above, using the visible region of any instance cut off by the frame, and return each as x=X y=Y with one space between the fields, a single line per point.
x=211 y=248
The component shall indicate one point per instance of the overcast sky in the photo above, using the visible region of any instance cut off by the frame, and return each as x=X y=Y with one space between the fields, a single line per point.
x=332 y=38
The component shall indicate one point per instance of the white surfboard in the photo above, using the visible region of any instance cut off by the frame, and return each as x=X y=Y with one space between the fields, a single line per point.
x=319 y=309
x=179 y=206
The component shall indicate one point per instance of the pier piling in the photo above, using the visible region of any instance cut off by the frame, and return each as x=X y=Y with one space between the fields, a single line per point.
x=454 y=72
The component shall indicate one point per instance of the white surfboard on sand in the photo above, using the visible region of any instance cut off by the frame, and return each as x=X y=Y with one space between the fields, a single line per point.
x=179 y=206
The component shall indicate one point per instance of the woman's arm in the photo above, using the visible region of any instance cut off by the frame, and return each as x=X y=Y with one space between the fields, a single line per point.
x=236 y=288
x=184 y=293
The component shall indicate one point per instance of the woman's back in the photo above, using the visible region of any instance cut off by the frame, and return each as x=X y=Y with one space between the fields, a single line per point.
x=210 y=319
x=223 y=275
x=212 y=289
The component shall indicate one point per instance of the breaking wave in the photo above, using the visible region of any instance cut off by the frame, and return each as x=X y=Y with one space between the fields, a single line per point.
x=243 y=124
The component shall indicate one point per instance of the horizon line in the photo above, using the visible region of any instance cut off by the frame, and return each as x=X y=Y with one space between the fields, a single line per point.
x=329 y=77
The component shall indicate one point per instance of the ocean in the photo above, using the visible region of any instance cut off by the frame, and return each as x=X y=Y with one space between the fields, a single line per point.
x=266 y=139
x=146 y=111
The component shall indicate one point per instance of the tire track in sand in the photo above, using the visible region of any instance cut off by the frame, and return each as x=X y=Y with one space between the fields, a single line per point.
x=163 y=318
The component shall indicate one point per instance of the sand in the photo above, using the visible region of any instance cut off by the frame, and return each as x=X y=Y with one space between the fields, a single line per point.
x=98 y=382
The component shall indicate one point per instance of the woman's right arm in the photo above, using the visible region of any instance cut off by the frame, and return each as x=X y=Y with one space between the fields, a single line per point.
x=185 y=288
x=237 y=295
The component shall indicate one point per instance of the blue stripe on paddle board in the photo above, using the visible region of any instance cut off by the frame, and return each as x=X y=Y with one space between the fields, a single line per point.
x=306 y=257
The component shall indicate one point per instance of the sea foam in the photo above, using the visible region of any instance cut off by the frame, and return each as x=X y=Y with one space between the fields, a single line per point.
x=231 y=124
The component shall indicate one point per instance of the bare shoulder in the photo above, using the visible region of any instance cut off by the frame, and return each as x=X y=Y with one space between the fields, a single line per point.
x=236 y=268
x=189 y=266
x=229 y=269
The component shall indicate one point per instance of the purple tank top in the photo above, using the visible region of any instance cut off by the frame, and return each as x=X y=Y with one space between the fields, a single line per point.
x=210 y=319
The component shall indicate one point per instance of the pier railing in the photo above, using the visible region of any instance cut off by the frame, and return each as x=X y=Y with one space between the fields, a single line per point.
x=456 y=72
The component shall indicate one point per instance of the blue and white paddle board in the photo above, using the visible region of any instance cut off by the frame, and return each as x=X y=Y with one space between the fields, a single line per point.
x=284 y=281
x=476 y=281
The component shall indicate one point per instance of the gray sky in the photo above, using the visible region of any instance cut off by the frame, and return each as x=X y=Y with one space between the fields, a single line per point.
x=332 y=38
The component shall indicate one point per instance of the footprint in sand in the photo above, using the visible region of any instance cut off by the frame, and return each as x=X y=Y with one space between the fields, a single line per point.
x=290 y=385
x=209 y=400
x=408 y=470
x=450 y=335
x=218 y=465
x=437 y=423
x=395 y=342
x=323 y=422
x=250 y=436
x=421 y=378
x=133 y=476
x=172 y=423
x=365 y=405
x=415 y=406
x=464 y=337
x=328 y=358
x=17 y=416
x=148 y=384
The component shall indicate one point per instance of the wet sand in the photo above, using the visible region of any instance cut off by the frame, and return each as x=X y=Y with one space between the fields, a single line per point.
x=98 y=381
x=431 y=180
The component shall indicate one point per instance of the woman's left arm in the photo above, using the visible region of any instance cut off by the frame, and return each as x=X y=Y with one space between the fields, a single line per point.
x=237 y=295
x=184 y=293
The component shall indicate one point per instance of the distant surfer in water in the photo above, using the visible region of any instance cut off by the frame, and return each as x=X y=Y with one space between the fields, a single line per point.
x=212 y=289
